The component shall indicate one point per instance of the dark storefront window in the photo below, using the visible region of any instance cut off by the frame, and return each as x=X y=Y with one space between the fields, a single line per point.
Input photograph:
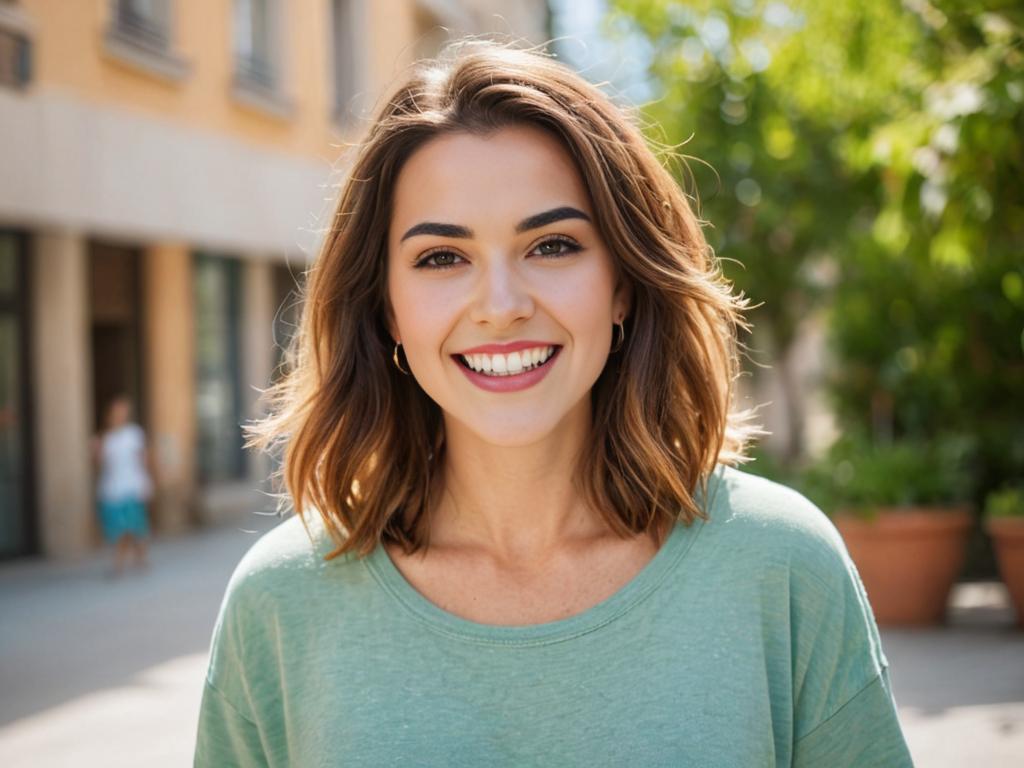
x=218 y=299
x=116 y=329
x=15 y=465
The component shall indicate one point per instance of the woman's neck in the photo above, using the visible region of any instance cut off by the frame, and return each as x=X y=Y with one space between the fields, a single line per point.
x=516 y=503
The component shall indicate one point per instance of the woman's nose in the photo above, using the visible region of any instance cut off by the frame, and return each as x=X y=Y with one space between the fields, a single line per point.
x=502 y=297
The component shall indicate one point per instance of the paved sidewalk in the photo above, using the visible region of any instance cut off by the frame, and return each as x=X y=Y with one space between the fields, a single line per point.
x=101 y=672
x=960 y=689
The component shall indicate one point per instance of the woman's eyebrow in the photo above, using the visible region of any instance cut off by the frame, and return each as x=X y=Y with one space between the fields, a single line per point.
x=531 y=222
x=550 y=217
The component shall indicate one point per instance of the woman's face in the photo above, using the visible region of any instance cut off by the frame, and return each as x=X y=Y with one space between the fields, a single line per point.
x=119 y=413
x=493 y=244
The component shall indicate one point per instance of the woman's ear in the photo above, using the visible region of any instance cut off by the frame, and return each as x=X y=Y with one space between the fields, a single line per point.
x=622 y=303
x=390 y=324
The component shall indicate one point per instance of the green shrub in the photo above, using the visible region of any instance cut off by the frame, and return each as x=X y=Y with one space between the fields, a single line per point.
x=860 y=476
x=1008 y=502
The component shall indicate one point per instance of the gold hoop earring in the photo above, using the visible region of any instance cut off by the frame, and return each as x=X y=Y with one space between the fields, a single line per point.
x=621 y=332
x=398 y=365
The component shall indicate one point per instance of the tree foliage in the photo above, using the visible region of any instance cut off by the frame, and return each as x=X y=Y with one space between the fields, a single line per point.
x=868 y=157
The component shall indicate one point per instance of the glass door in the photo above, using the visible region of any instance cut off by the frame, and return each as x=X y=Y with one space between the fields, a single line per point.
x=218 y=313
x=15 y=465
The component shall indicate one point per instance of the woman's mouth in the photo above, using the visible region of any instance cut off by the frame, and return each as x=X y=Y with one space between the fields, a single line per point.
x=511 y=364
x=510 y=372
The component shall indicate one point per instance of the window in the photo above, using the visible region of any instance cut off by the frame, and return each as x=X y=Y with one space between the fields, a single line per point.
x=115 y=327
x=218 y=295
x=257 y=32
x=145 y=21
x=345 y=59
x=255 y=55
x=15 y=47
x=140 y=34
x=16 y=521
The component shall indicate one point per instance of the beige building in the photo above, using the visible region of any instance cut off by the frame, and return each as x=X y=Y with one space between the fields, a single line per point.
x=164 y=169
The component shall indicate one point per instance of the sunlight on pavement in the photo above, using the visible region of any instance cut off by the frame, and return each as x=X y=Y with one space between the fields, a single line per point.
x=995 y=740
x=150 y=722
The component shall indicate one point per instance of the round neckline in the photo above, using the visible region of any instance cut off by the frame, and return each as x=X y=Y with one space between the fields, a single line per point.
x=636 y=590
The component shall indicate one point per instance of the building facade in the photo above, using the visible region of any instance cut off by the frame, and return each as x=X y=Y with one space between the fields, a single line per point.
x=165 y=166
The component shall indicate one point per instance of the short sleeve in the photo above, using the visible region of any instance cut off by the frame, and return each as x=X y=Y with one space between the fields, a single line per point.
x=865 y=732
x=845 y=714
x=245 y=716
x=226 y=737
x=228 y=732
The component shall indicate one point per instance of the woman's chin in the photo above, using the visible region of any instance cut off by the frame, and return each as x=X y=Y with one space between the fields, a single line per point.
x=504 y=433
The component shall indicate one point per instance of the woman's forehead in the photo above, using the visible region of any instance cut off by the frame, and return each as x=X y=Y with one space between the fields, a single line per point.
x=507 y=174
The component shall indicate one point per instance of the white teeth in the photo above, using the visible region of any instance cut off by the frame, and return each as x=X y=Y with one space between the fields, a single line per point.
x=508 y=365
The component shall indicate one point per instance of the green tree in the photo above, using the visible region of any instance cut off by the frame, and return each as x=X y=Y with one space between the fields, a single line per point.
x=762 y=94
x=869 y=154
x=929 y=315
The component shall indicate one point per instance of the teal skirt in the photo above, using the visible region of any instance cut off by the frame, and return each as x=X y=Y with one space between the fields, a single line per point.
x=123 y=516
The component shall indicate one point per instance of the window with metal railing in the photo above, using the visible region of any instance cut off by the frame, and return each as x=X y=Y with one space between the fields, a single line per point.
x=146 y=22
x=140 y=33
x=15 y=46
x=15 y=59
x=258 y=33
x=344 y=60
x=255 y=54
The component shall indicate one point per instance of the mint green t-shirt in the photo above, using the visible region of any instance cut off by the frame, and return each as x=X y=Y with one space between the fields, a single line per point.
x=746 y=641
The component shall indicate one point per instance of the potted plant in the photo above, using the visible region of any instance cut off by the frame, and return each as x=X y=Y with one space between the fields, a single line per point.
x=900 y=508
x=1004 y=522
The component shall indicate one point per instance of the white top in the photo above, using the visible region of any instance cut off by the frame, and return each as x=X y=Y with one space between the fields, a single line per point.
x=123 y=472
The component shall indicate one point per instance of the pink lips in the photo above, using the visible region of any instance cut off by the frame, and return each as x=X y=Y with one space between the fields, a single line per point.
x=512 y=383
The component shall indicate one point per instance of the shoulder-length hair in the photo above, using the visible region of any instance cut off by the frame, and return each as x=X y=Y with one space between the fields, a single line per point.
x=364 y=445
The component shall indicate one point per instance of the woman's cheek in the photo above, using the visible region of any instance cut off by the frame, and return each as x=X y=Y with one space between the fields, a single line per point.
x=425 y=321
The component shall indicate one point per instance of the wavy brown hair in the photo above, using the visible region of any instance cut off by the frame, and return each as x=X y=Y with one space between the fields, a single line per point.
x=364 y=445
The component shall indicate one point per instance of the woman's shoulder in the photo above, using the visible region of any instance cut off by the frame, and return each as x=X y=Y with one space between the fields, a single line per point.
x=280 y=589
x=289 y=558
x=752 y=513
x=764 y=533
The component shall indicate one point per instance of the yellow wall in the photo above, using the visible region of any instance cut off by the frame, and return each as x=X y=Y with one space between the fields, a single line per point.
x=70 y=54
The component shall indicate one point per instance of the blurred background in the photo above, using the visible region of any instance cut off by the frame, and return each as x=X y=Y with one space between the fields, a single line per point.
x=165 y=169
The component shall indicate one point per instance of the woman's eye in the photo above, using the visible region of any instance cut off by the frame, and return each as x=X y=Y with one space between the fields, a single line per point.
x=439 y=260
x=557 y=246
x=551 y=248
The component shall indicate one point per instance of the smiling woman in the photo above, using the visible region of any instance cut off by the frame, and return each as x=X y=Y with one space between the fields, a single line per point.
x=521 y=537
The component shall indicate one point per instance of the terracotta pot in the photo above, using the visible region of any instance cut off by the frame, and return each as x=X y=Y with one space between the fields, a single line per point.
x=1008 y=539
x=908 y=559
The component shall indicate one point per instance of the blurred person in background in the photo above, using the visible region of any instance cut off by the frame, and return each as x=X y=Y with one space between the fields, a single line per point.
x=125 y=483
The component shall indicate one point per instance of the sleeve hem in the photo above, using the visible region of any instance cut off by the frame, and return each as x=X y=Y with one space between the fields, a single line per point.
x=223 y=697
x=849 y=701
